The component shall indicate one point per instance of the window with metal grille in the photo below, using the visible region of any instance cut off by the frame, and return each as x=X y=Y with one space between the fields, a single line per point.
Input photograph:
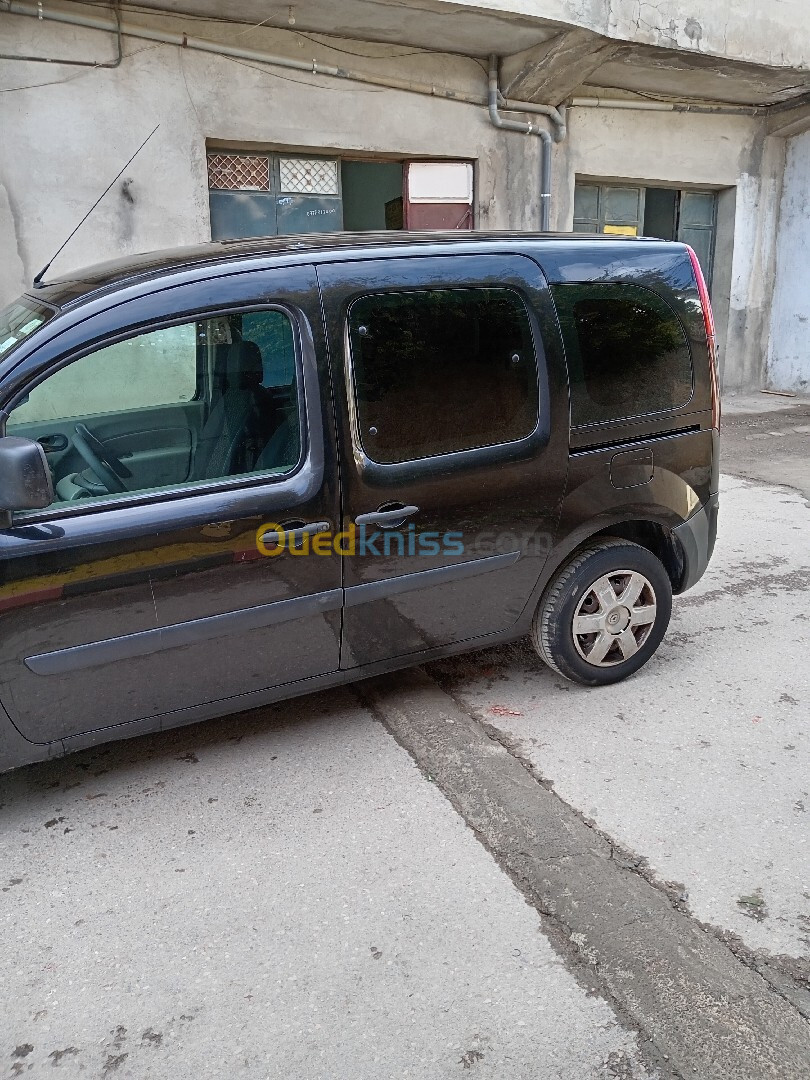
x=238 y=172
x=308 y=176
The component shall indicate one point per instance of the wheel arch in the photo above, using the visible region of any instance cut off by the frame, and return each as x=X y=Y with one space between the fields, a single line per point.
x=659 y=539
x=651 y=532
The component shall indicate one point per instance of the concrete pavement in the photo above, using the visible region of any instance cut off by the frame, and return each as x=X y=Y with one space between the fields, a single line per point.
x=699 y=763
x=708 y=1013
x=766 y=437
x=277 y=895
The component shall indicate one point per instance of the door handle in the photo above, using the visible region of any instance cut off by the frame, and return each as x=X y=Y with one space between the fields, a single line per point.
x=388 y=516
x=52 y=444
x=295 y=531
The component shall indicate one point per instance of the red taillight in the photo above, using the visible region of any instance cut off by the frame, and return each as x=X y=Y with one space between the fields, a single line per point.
x=711 y=339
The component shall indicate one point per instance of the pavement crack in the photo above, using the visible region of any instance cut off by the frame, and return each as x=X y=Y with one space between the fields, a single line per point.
x=611 y=921
x=788 y=977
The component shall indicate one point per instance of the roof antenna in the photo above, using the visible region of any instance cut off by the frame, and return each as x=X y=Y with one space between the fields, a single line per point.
x=38 y=279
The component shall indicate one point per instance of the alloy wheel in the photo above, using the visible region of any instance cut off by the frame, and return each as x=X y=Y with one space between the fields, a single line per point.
x=614 y=618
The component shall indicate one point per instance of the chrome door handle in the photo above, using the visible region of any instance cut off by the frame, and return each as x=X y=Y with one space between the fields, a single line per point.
x=387 y=518
x=296 y=532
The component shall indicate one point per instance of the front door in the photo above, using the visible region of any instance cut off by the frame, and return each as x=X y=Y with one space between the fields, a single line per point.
x=175 y=442
x=451 y=476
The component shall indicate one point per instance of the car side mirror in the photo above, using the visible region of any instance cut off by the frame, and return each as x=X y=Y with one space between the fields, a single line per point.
x=25 y=478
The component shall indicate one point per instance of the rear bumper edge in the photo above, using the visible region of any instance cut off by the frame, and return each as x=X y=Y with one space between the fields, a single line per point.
x=697 y=536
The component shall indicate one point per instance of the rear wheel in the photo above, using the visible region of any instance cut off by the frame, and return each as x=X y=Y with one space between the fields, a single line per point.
x=604 y=613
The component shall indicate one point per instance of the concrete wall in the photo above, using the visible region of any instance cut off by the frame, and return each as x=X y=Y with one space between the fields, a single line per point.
x=69 y=132
x=65 y=141
x=789 y=353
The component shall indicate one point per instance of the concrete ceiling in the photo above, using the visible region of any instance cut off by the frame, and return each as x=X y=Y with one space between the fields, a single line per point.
x=541 y=61
x=668 y=73
x=560 y=66
x=428 y=24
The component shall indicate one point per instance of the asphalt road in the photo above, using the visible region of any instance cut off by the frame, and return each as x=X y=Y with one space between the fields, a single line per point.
x=528 y=880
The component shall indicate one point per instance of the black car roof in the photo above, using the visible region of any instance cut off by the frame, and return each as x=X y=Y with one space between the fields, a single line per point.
x=84 y=283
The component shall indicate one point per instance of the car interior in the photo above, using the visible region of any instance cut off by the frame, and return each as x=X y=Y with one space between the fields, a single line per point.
x=180 y=405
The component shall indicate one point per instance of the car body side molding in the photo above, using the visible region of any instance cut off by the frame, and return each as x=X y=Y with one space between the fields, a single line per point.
x=424 y=579
x=147 y=642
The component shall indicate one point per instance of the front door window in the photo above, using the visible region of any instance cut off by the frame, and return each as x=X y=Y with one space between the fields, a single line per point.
x=183 y=405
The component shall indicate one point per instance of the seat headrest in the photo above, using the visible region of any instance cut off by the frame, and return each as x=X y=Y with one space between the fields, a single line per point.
x=244 y=365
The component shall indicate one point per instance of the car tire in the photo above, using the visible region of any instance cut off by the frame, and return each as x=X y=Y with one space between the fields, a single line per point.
x=604 y=613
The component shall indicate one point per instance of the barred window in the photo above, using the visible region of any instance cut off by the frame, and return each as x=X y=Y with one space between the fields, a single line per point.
x=308 y=176
x=238 y=172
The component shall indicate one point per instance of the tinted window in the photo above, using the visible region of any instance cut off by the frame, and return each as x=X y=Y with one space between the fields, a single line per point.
x=182 y=405
x=441 y=371
x=274 y=338
x=626 y=349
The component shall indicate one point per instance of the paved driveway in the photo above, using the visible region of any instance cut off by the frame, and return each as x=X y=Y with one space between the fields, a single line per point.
x=279 y=895
x=700 y=764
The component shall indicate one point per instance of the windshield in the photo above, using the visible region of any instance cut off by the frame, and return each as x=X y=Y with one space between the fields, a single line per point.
x=19 y=320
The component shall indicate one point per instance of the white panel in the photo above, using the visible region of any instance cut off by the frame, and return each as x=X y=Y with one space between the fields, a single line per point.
x=788 y=352
x=440 y=182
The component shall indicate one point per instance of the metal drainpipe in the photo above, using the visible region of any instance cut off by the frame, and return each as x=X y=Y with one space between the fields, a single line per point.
x=666 y=106
x=80 y=63
x=528 y=128
x=556 y=116
x=218 y=48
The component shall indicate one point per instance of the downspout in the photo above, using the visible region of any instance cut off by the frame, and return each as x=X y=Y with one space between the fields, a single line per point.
x=556 y=115
x=528 y=128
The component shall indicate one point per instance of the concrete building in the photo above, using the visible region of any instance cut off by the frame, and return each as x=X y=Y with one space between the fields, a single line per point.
x=374 y=113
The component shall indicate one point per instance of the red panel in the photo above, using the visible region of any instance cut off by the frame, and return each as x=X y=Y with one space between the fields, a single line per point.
x=438 y=216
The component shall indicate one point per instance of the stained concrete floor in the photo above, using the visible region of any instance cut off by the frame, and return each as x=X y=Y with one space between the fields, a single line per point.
x=277 y=895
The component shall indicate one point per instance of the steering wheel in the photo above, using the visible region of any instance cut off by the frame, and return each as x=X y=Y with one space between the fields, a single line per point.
x=110 y=470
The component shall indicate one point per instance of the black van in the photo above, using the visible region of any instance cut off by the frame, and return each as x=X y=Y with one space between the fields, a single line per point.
x=244 y=471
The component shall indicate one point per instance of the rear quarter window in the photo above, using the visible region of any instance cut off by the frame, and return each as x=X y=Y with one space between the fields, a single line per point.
x=626 y=349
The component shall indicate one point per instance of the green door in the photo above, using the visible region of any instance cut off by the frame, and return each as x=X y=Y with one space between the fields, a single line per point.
x=608 y=208
x=696 y=221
